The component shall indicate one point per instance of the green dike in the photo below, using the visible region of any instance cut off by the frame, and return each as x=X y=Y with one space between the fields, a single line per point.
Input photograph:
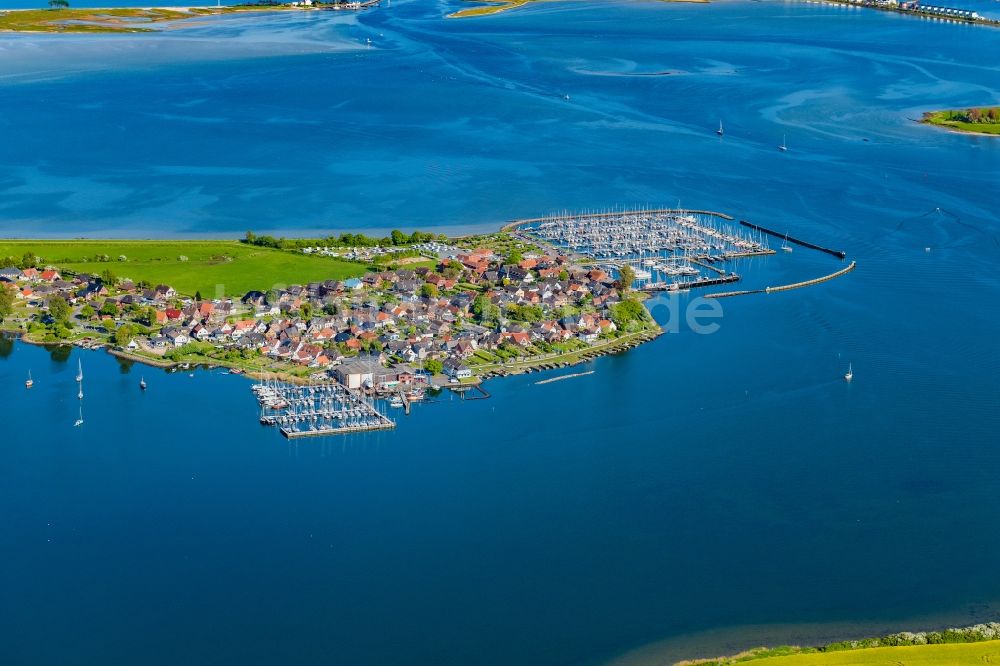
x=905 y=655
x=189 y=266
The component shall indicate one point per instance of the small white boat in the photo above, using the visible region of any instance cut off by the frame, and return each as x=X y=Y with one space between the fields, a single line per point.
x=79 y=394
x=142 y=383
x=720 y=131
x=29 y=382
x=784 y=146
x=79 y=421
x=850 y=372
x=785 y=247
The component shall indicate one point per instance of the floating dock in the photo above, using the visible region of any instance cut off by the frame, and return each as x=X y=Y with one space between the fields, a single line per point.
x=683 y=286
x=317 y=409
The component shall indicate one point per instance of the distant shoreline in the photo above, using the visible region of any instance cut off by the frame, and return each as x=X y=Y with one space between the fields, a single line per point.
x=118 y=20
x=489 y=7
x=735 y=639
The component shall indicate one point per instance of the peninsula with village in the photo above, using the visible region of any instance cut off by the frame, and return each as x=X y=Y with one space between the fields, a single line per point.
x=388 y=318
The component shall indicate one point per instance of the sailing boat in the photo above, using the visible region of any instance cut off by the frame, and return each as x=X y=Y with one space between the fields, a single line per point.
x=30 y=382
x=785 y=247
x=142 y=383
x=850 y=372
x=720 y=131
x=79 y=394
x=79 y=421
x=784 y=146
x=79 y=370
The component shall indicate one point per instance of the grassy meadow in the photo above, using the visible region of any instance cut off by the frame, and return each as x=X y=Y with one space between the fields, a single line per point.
x=237 y=267
x=948 y=654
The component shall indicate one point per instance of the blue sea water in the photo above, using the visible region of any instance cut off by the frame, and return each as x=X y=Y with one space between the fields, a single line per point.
x=697 y=482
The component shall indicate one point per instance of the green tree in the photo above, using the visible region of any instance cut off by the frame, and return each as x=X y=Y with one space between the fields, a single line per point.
x=124 y=335
x=109 y=325
x=109 y=308
x=87 y=311
x=434 y=366
x=428 y=290
x=59 y=309
x=628 y=312
x=6 y=302
x=563 y=275
x=305 y=310
x=514 y=257
x=58 y=4
x=626 y=276
x=109 y=278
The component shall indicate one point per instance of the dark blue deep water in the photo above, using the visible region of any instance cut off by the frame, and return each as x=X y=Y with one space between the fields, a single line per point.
x=698 y=482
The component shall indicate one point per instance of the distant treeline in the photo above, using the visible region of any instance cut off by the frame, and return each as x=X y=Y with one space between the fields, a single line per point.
x=989 y=631
x=394 y=239
x=986 y=115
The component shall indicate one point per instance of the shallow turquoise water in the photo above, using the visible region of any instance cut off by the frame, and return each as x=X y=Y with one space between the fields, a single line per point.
x=696 y=482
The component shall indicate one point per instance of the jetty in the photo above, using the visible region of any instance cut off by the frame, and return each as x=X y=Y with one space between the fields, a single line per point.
x=317 y=409
x=562 y=377
x=690 y=284
x=786 y=287
x=840 y=254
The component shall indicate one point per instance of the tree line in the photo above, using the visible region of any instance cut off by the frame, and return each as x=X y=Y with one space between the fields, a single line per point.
x=394 y=239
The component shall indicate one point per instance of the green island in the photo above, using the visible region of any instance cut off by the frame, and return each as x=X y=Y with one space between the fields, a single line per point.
x=976 y=120
x=978 y=644
x=486 y=7
x=59 y=17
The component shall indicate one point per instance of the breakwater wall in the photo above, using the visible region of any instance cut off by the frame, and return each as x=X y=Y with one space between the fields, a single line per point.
x=809 y=283
x=785 y=287
x=840 y=254
x=729 y=294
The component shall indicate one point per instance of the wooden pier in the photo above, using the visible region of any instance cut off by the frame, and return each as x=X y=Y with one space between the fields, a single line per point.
x=692 y=284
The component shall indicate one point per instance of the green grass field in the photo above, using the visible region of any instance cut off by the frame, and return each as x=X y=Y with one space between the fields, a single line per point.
x=912 y=655
x=237 y=267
